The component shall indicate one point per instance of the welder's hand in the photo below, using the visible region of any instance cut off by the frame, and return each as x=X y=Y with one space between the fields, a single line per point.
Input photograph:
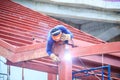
x=65 y=37
x=54 y=58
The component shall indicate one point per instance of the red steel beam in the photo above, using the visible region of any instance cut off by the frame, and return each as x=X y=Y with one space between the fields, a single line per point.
x=28 y=55
x=106 y=48
x=35 y=66
x=38 y=65
x=98 y=59
x=52 y=76
x=22 y=56
x=7 y=45
x=115 y=54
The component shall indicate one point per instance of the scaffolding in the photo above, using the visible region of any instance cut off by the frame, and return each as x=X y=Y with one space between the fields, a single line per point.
x=91 y=71
x=5 y=76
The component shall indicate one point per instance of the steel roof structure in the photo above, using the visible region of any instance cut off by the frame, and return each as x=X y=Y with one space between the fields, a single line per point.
x=23 y=38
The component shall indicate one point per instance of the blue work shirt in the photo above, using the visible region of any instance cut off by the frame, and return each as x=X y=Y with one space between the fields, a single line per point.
x=50 y=41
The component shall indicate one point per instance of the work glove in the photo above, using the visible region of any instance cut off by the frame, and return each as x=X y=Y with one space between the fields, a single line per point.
x=65 y=37
x=54 y=58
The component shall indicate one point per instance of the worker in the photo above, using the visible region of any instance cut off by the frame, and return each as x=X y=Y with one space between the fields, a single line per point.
x=56 y=34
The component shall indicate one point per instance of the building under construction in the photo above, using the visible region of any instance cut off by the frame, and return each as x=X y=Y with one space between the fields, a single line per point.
x=24 y=25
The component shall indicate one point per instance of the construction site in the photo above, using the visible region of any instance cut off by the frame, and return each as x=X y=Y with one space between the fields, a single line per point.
x=94 y=53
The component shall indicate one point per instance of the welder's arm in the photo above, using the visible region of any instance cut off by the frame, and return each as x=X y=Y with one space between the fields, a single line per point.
x=54 y=58
x=49 y=51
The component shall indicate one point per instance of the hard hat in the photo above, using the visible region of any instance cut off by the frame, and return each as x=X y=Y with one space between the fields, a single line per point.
x=56 y=34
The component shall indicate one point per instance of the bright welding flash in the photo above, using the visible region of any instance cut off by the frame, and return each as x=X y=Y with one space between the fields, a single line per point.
x=67 y=55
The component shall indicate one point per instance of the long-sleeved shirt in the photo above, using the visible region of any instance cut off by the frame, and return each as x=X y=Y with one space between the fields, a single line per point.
x=50 y=41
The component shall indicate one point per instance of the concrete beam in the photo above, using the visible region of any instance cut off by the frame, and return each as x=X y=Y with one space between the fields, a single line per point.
x=73 y=12
x=96 y=4
x=109 y=34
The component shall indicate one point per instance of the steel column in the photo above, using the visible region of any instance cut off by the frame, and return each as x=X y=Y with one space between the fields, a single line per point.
x=65 y=66
x=52 y=76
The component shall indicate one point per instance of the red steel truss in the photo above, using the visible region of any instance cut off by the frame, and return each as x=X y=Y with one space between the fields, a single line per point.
x=19 y=25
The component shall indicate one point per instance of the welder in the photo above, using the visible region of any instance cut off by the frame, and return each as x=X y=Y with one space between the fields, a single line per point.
x=56 y=34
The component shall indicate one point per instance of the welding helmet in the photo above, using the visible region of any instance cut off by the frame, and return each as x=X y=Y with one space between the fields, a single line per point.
x=56 y=34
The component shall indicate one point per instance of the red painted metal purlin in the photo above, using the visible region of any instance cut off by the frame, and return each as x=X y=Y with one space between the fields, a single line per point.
x=7 y=45
x=16 y=34
x=11 y=34
x=22 y=17
x=106 y=48
x=25 y=31
x=45 y=63
x=15 y=30
x=25 y=11
x=13 y=42
x=21 y=24
x=30 y=47
x=2 y=35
